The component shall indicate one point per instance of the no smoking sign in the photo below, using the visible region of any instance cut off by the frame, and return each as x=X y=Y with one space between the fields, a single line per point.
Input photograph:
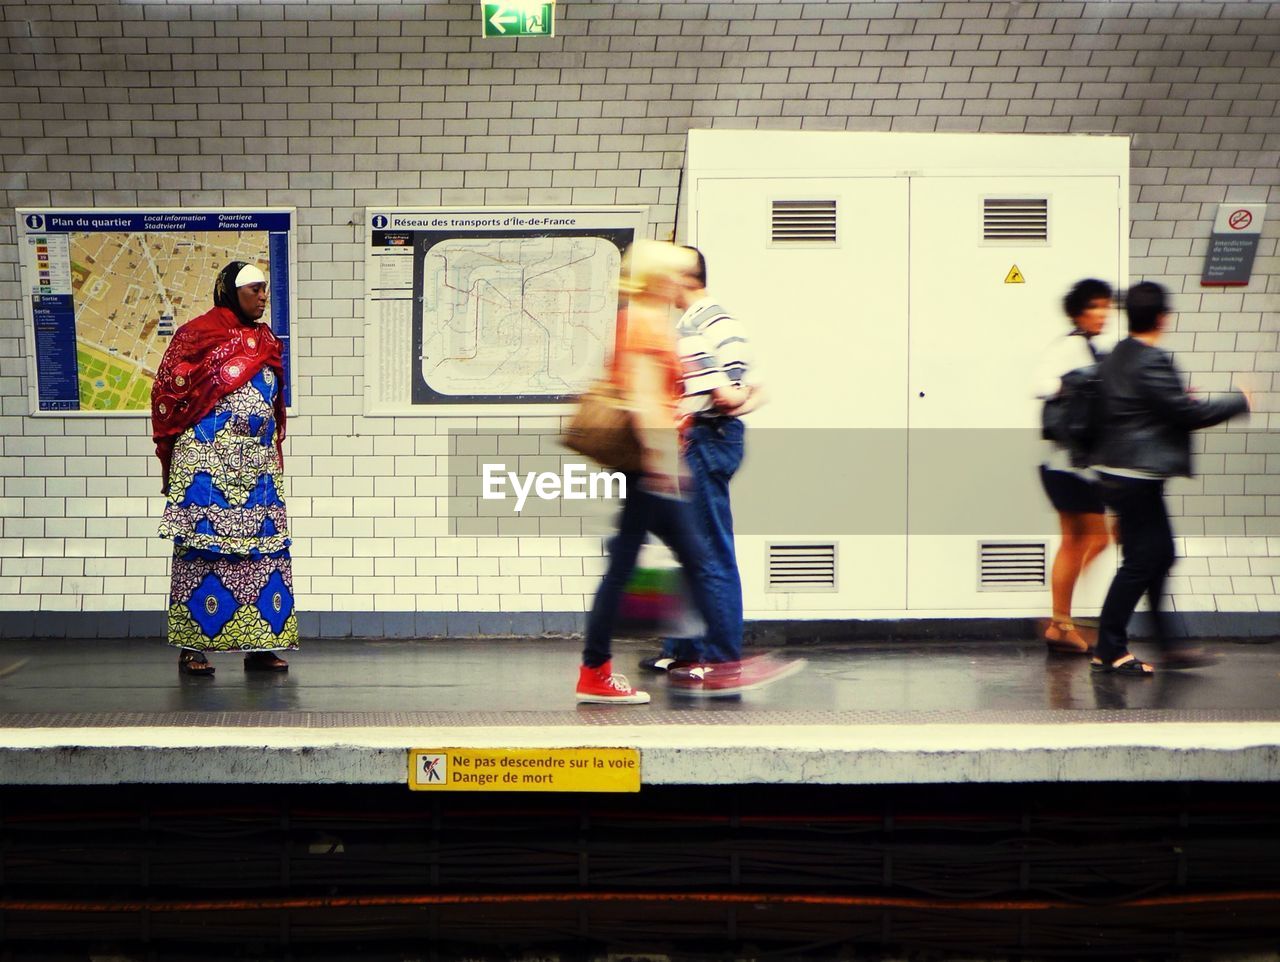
x=1239 y=219
x=1233 y=245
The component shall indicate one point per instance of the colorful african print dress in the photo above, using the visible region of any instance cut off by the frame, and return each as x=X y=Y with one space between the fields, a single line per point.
x=232 y=577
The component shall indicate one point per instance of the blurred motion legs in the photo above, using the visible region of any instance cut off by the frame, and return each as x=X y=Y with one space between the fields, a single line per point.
x=1146 y=538
x=669 y=519
x=1084 y=536
x=714 y=452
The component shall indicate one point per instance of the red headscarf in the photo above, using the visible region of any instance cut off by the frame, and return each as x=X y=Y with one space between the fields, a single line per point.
x=209 y=357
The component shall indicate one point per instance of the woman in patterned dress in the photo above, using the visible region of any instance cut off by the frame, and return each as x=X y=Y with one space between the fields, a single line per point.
x=218 y=419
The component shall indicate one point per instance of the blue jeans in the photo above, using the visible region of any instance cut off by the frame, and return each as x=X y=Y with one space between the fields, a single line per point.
x=714 y=450
x=671 y=520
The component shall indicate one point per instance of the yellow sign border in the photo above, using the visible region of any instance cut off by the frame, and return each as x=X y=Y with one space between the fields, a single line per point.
x=524 y=769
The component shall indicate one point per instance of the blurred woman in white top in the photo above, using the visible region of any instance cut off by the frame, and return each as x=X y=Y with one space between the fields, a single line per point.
x=1081 y=513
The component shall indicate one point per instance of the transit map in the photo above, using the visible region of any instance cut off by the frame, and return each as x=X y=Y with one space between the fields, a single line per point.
x=517 y=316
x=490 y=307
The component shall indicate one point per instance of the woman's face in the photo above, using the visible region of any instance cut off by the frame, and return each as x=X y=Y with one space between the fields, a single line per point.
x=1094 y=317
x=253 y=300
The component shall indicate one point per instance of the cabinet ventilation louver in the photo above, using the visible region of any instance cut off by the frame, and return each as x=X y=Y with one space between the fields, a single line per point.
x=1012 y=565
x=802 y=566
x=1016 y=220
x=803 y=222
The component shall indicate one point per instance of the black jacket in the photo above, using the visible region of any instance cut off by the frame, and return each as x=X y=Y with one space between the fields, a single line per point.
x=1148 y=416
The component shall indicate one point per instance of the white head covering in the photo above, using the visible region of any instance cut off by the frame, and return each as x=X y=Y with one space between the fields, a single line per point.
x=249 y=274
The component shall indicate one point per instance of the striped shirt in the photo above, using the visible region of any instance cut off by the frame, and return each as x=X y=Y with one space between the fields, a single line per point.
x=714 y=352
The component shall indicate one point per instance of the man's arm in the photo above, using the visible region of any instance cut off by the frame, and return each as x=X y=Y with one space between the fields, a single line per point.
x=755 y=396
x=1158 y=382
x=730 y=398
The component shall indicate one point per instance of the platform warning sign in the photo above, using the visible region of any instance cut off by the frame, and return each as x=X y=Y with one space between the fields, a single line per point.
x=524 y=769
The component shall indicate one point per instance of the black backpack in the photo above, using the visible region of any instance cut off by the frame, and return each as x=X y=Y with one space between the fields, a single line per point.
x=1073 y=416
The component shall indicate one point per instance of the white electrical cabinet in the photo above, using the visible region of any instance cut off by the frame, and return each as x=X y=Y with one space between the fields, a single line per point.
x=899 y=290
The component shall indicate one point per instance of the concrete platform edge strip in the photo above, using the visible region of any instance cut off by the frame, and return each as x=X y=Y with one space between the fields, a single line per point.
x=671 y=755
x=51 y=625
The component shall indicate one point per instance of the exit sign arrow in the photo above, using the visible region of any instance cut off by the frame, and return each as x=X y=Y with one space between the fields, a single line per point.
x=498 y=20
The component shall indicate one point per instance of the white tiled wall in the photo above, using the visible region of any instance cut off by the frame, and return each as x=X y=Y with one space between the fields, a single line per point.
x=330 y=107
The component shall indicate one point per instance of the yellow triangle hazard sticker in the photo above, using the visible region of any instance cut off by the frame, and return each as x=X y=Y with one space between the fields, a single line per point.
x=1014 y=276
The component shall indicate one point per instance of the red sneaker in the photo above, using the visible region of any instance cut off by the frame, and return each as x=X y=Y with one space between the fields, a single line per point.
x=723 y=678
x=600 y=685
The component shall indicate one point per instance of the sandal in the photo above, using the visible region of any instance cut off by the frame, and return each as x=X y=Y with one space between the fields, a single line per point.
x=264 y=661
x=194 y=663
x=1063 y=637
x=1126 y=664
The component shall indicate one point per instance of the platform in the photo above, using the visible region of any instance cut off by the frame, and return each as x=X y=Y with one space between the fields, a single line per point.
x=108 y=712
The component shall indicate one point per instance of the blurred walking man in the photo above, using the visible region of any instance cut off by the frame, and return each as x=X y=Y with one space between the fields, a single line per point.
x=1148 y=417
x=715 y=360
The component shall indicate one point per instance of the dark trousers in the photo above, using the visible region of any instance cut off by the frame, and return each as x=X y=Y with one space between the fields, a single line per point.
x=670 y=519
x=1146 y=541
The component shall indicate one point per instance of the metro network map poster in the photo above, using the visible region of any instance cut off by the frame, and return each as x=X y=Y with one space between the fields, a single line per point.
x=104 y=291
x=482 y=310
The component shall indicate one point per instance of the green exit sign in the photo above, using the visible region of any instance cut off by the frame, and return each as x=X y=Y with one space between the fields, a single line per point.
x=518 y=19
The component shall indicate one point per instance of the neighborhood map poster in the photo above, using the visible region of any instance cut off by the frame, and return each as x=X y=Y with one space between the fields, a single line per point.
x=104 y=290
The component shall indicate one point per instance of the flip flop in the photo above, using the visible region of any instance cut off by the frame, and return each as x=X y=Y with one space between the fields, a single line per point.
x=1126 y=664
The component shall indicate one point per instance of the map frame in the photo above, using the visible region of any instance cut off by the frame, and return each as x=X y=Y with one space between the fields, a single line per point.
x=55 y=289
x=395 y=326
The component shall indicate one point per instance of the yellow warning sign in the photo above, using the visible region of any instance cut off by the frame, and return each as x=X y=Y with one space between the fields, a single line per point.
x=524 y=769
x=1014 y=276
